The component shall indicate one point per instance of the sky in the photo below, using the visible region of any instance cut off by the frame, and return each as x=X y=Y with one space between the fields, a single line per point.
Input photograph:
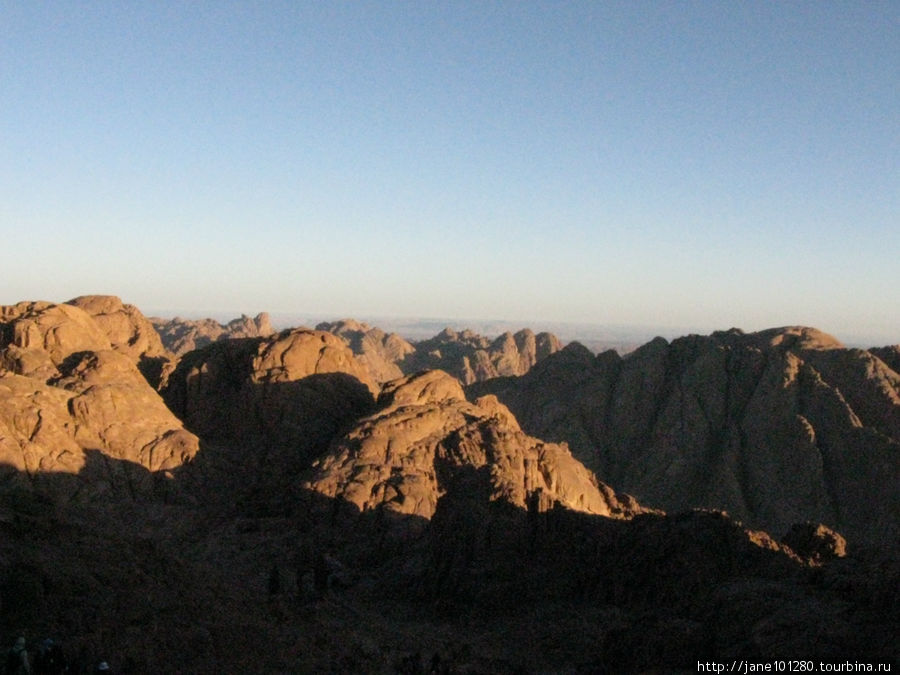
x=678 y=165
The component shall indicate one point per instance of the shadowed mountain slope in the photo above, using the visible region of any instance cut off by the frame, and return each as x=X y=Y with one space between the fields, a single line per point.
x=775 y=427
x=890 y=355
x=273 y=404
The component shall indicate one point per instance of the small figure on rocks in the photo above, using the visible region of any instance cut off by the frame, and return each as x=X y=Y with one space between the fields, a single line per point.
x=17 y=659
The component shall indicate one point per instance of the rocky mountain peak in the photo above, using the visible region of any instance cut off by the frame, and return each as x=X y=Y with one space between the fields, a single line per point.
x=426 y=440
x=384 y=354
x=73 y=400
x=799 y=337
x=58 y=330
x=181 y=336
x=427 y=387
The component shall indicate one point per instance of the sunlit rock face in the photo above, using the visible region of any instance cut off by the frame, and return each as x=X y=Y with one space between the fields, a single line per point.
x=73 y=402
x=472 y=358
x=815 y=542
x=466 y=355
x=127 y=329
x=776 y=427
x=426 y=440
x=890 y=355
x=181 y=336
x=129 y=332
x=56 y=330
x=382 y=353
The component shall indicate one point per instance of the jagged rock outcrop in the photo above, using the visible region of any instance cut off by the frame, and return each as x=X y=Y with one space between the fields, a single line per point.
x=776 y=427
x=184 y=335
x=473 y=358
x=284 y=396
x=466 y=355
x=71 y=403
x=426 y=440
x=382 y=353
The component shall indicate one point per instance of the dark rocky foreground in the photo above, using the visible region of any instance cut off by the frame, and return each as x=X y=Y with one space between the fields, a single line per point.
x=294 y=516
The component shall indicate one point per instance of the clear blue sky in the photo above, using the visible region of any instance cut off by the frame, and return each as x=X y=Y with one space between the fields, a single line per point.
x=697 y=165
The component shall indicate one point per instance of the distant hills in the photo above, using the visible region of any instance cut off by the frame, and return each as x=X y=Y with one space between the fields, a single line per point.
x=181 y=336
x=472 y=504
x=465 y=355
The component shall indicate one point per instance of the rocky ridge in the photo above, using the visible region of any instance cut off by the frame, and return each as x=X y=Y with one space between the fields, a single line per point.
x=775 y=427
x=890 y=355
x=467 y=356
x=473 y=358
x=275 y=402
x=181 y=336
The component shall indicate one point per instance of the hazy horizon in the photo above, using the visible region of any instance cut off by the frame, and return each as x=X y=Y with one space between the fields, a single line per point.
x=684 y=167
x=421 y=327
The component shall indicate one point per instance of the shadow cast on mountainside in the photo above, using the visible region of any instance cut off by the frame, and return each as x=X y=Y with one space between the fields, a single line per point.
x=259 y=439
x=215 y=396
x=774 y=436
x=659 y=590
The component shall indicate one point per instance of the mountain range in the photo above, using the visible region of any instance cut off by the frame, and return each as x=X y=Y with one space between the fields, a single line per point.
x=774 y=427
x=206 y=497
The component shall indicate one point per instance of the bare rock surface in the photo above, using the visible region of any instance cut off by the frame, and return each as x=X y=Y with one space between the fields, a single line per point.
x=432 y=532
x=58 y=330
x=280 y=400
x=127 y=329
x=426 y=438
x=72 y=402
x=184 y=335
x=382 y=353
x=129 y=333
x=890 y=355
x=776 y=427
x=473 y=358
x=464 y=354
